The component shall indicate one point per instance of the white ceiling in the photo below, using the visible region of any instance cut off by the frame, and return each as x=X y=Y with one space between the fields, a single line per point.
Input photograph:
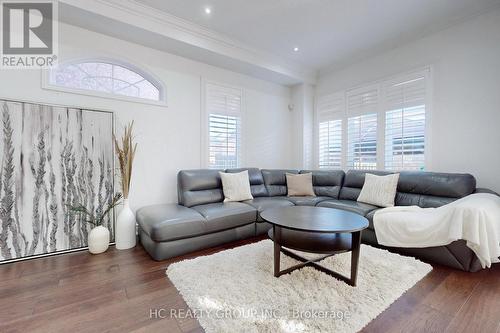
x=329 y=33
x=137 y=23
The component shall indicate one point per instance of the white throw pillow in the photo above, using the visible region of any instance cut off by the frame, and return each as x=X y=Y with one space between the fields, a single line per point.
x=236 y=186
x=379 y=190
x=300 y=184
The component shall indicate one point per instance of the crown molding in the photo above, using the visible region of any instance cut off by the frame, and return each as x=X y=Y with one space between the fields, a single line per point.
x=155 y=21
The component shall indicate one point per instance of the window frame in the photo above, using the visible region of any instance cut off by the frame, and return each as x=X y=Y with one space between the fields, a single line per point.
x=427 y=71
x=205 y=125
x=154 y=80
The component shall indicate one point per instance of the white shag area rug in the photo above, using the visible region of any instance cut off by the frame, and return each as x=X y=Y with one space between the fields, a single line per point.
x=235 y=290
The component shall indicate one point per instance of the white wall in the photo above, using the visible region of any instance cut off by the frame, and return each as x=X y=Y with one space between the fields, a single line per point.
x=302 y=126
x=465 y=122
x=169 y=137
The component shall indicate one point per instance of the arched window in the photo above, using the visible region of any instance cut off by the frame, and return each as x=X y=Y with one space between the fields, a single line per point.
x=108 y=77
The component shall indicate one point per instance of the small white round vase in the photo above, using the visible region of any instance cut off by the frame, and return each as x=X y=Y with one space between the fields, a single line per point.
x=125 y=237
x=98 y=240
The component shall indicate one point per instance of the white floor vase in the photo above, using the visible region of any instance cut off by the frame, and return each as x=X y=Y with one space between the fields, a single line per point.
x=125 y=236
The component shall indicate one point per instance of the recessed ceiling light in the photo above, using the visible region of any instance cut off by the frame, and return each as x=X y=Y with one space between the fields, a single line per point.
x=296 y=49
x=208 y=10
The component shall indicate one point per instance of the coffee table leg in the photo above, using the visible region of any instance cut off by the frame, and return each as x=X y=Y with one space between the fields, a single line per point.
x=277 y=251
x=356 y=244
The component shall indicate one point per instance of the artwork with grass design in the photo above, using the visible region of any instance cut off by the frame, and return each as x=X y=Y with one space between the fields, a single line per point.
x=52 y=158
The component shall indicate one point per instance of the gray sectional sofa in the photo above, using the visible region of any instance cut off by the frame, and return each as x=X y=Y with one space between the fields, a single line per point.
x=201 y=219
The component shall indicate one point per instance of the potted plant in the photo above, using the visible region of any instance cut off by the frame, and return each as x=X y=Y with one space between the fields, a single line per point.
x=125 y=236
x=98 y=238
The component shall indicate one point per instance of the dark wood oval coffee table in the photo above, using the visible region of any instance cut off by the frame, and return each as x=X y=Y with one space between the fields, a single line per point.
x=319 y=230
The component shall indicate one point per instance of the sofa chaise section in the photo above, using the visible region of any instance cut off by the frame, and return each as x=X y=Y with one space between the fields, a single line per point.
x=200 y=220
x=168 y=249
x=171 y=230
x=170 y=222
x=226 y=215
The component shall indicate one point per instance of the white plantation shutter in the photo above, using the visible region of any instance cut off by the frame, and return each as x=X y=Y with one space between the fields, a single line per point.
x=329 y=113
x=405 y=111
x=381 y=125
x=362 y=101
x=223 y=106
x=330 y=144
x=362 y=142
x=362 y=108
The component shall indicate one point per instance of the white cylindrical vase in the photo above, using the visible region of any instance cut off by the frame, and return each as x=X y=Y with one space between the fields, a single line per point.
x=125 y=237
x=98 y=240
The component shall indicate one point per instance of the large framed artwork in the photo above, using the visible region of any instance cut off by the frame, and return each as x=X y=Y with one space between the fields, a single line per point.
x=51 y=157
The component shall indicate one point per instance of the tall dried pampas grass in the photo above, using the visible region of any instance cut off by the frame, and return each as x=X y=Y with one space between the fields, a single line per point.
x=126 y=154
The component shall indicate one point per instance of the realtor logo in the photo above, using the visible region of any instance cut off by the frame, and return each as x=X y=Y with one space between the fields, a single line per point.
x=29 y=33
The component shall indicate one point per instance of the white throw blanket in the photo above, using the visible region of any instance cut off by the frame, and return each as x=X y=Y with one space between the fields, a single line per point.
x=474 y=218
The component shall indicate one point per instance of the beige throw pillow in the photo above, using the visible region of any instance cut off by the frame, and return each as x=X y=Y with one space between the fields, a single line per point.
x=300 y=185
x=379 y=190
x=236 y=186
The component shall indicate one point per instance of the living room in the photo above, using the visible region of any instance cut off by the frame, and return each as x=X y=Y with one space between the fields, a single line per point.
x=250 y=166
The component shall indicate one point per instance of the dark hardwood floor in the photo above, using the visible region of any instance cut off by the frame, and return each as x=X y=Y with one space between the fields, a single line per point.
x=114 y=292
